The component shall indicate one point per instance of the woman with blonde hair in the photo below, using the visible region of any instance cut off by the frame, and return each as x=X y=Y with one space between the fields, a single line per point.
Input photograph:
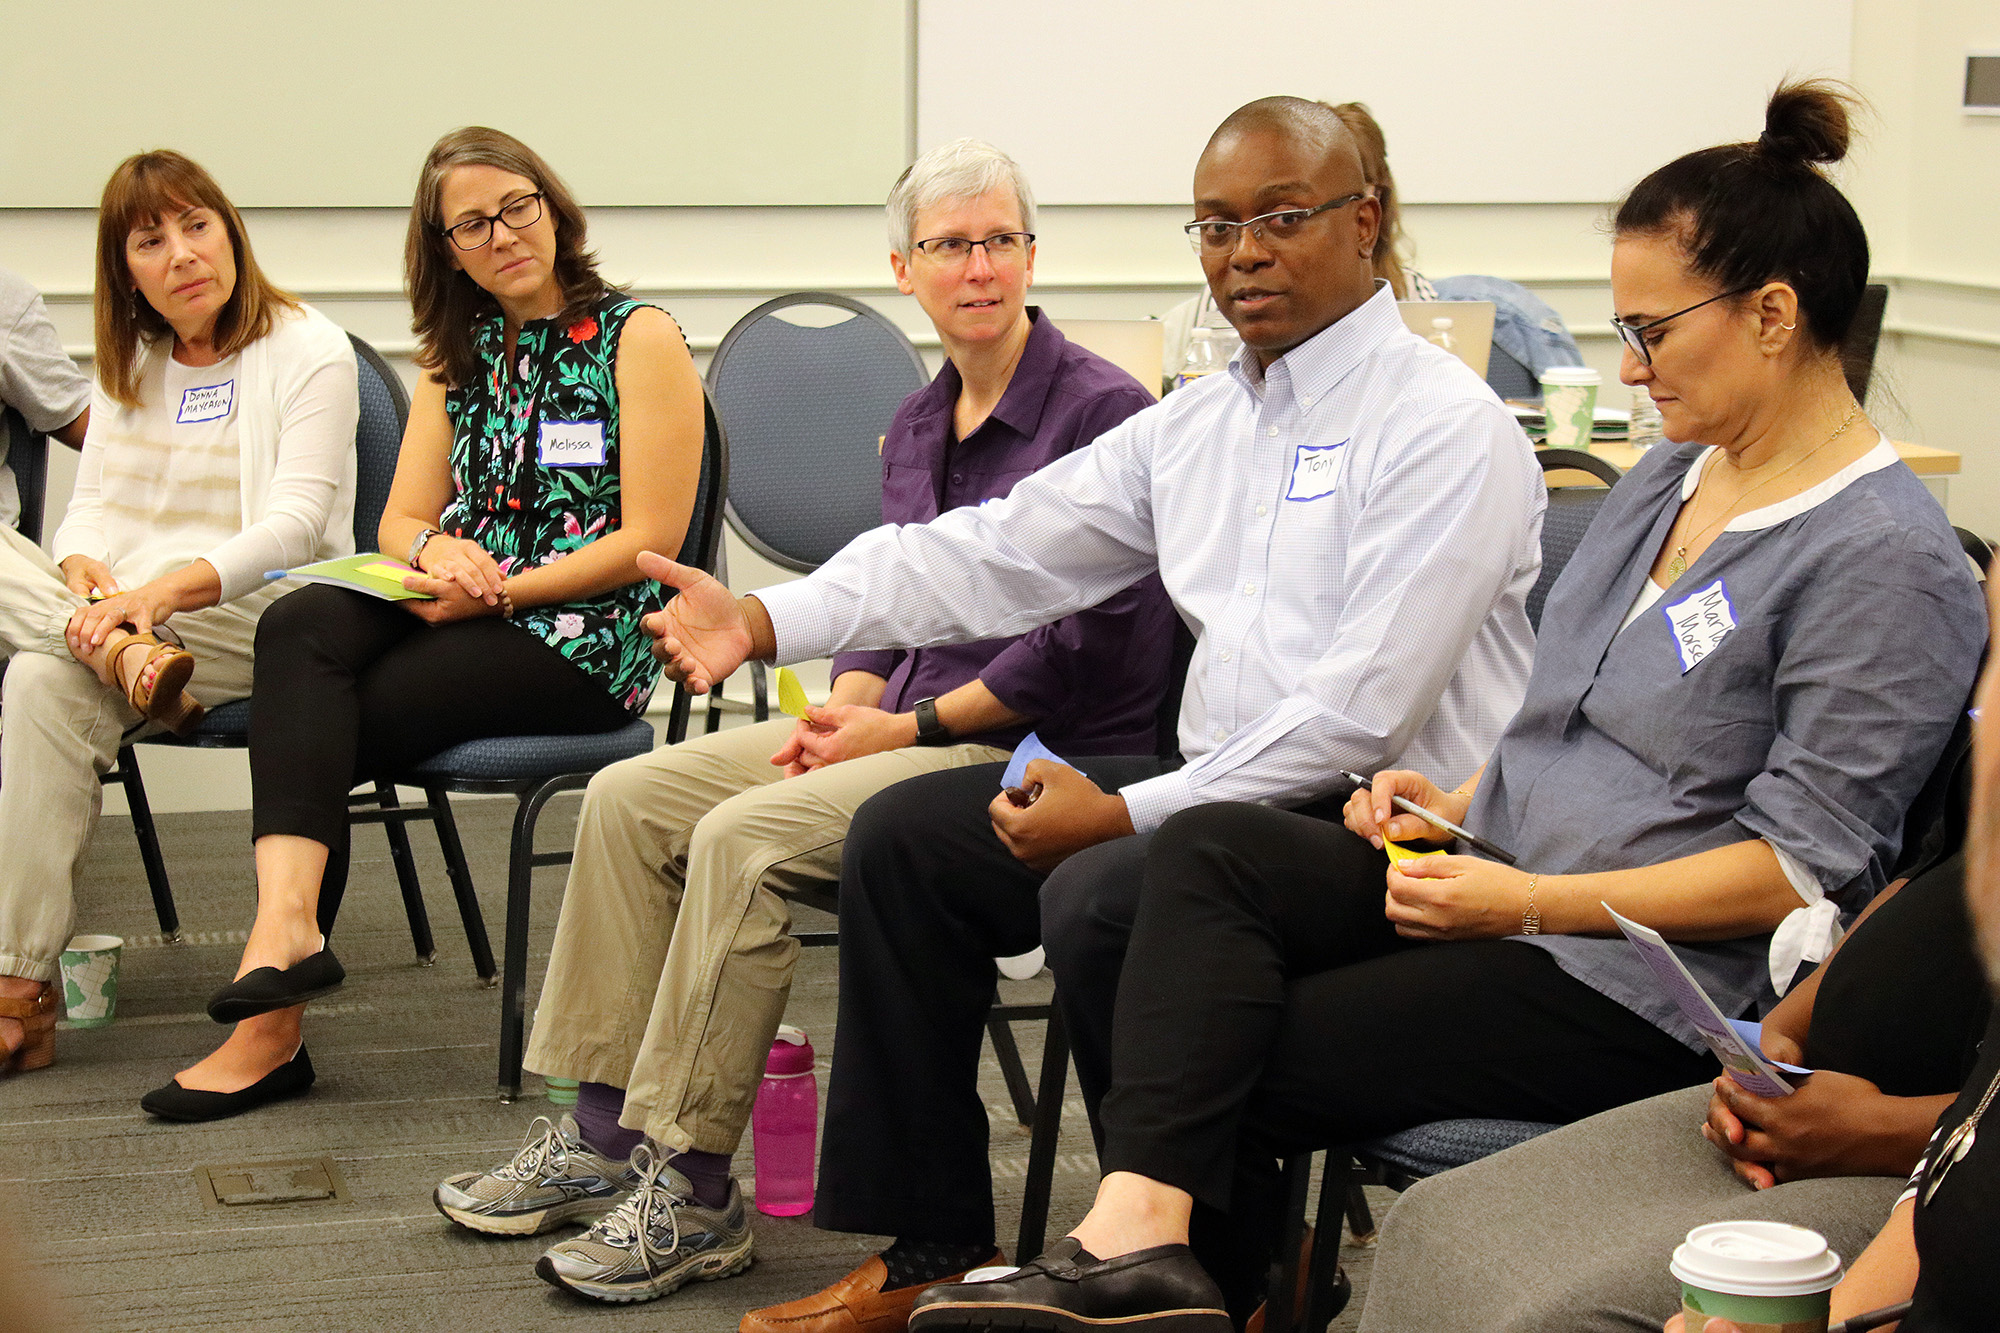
x=555 y=434
x=220 y=446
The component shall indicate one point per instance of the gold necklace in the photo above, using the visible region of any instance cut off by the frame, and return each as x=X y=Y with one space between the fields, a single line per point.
x=1677 y=566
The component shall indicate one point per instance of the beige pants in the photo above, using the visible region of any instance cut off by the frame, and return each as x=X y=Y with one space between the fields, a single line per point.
x=63 y=728
x=673 y=956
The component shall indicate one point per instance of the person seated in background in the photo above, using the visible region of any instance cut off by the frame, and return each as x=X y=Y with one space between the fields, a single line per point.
x=1390 y=254
x=1349 y=520
x=38 y=380
x=1571 y=1230
x=221 y=446
x=1936 y=1250
x=1744 y=675
x=673 y=956
x=556 y=432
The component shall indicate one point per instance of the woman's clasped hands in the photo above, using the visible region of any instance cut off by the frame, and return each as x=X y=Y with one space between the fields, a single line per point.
x=462 y=578
x=1436 y=897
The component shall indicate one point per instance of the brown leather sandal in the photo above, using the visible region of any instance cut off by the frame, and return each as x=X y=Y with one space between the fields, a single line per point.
x=166 y=701
x=38 y=1031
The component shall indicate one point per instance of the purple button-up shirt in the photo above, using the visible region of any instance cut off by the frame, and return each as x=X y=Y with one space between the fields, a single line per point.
x=1092 y=681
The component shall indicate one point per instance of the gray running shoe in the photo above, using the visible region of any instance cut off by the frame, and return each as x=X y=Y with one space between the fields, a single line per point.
x=656 y=1240
x=554 y=1178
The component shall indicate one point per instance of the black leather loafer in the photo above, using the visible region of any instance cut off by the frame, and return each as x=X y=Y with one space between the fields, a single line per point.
x=264 y=989
x=174 y=1102
x=1161 y=1290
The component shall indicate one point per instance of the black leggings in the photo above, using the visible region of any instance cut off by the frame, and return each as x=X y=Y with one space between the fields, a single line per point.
x=352 y=689
x=1267 y=1006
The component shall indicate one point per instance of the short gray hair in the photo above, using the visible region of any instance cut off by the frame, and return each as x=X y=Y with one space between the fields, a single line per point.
x=961 y=169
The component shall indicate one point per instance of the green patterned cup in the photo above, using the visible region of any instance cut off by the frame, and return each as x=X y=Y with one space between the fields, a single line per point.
x=1569 y=405
x=1763 y=1277
x=562 y=1091
x=90 y=979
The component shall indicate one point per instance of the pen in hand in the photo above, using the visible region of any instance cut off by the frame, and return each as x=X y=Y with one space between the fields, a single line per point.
x=1501 y=855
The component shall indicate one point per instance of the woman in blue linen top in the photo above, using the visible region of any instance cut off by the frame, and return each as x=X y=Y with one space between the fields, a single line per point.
x=1743 y=677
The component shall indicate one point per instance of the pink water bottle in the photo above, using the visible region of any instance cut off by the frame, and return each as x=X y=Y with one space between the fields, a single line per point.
x=783 y=1124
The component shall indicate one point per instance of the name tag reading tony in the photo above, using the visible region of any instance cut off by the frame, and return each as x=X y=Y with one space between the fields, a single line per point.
x=211 y=402
x=1314 y=469
x=1700 y=623
x=571 y=444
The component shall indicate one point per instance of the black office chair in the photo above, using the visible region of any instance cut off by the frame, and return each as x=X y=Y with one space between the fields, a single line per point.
x=1569 y=515
x=806 y=406
x=28 y=456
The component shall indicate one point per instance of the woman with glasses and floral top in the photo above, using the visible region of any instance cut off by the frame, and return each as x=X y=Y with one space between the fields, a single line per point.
x=555 y=434
x=1742 y=678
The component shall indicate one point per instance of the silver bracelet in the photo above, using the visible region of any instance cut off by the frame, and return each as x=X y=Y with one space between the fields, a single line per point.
x=417 y=546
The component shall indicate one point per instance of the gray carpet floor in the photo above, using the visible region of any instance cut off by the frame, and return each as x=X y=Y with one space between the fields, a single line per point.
x=107 y=1198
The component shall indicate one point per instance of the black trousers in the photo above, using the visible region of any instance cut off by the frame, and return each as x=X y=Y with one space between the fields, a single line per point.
x=1266 y=1006
x=351 y=689
x=929 y=897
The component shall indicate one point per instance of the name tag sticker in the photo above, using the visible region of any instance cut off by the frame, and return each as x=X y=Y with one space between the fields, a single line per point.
x=1314 y=470
x=211 y=402
x=1700 y=623
x=571 y=444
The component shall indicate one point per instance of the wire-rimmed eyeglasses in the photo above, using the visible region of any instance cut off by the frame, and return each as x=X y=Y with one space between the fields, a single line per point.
x=1001 y=247
x=1213 y=236
x=1635 y=334
x=473 y=233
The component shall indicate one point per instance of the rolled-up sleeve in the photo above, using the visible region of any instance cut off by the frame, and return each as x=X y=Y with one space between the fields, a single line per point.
x=874 y=661
x=1860 y=728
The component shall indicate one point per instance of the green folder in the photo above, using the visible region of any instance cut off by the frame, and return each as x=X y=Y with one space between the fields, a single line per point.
x=371 y=572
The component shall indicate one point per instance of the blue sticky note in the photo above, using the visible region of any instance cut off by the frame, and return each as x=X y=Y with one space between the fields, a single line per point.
x=1754 y=1034
x=1030 y=748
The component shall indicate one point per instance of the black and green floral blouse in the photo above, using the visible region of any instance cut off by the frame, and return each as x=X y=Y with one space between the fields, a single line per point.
x=534 y=458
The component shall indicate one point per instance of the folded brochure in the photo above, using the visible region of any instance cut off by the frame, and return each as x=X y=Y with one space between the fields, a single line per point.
x=371 y=572
x=1748 y=1065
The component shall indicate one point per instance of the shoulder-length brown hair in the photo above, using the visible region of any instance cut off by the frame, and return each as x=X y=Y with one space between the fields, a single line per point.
x=1374 y=148
x=445 y=303
x=144 y=189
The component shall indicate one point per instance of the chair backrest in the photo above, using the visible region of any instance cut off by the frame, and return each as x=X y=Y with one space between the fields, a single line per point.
x=28 y=456
x=378 y=439
x=1568 y=517
x=1528 y=335
x=703 y=543
x=806 y=409
x=1857 y=350
x=1934 y=827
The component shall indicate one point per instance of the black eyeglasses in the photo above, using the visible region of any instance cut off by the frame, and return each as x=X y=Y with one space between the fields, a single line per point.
x=473 y=233
x=1000 y=248
x=1216 y=237
x=1635 y=334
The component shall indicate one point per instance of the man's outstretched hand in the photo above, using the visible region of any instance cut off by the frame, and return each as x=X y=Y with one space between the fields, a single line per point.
x=703 y=634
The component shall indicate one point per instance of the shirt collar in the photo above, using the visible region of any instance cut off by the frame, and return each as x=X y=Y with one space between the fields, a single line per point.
x=1021 y=406
x=1316 y=365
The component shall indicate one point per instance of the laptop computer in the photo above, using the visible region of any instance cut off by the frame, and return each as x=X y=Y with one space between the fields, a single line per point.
x=1470 y=329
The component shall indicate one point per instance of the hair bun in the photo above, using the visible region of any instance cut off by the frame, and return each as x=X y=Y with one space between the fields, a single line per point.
x=1808 y=122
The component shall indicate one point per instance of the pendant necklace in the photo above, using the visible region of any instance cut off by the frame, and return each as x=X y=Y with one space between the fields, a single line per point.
x=1677 y=566
x=1953 y=1150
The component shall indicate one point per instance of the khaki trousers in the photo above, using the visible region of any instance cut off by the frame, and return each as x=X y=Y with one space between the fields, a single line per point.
x=63 y=728
x=673 y=955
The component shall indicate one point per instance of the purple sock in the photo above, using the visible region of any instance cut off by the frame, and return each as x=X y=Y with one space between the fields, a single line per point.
x=708 y=1172
x=598 y=1106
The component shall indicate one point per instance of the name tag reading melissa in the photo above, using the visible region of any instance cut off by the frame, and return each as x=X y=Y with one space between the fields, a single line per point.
x=570 y=444
x=211 y=402
x=1315 y=468
x=1700 y=623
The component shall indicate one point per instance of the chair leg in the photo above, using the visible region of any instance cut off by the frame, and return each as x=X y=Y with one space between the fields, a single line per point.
x=461 y=884
x=760 y=692
x=1042 y=1147
x=149 y=844
x=1281 y=1313
x=521 y=860
x=1330 y=1288
x=406 y=876
x=1008 y=1053
x=1360 y=1221
x=678 y=715
x=714 y=723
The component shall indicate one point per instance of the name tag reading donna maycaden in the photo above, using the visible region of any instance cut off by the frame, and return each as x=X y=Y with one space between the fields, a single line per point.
x=1699 y=623
x=570 y=444
x=1315 y=468
x=210 y=402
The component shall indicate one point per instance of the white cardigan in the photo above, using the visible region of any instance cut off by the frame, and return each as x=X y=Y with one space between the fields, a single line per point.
x=299 y=401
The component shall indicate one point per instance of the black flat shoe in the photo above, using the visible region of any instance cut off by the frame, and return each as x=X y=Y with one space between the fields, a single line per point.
x=1161 y=1290
x=174 y=1102
x=264 y=989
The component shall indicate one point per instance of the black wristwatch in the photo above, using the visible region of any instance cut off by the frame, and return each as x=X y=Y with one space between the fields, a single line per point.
x=930 y=731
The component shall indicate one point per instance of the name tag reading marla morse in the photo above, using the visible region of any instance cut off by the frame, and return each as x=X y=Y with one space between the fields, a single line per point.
x=1314 y=470
x=571 y=444
x=211 y=402
x=1700 y=623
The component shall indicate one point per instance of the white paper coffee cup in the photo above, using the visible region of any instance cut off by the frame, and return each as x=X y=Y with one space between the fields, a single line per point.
x=1569 y=404
x=1763 y=1277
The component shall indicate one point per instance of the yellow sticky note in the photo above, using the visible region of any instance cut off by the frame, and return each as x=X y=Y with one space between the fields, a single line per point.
x=791 y=695
x=388 y=569
x=1399 y=853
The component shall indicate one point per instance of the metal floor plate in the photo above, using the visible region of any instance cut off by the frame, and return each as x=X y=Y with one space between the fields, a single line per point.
x=296 y=1180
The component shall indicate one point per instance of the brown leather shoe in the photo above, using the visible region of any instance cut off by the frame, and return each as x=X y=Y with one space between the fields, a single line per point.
x=855 y=1304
